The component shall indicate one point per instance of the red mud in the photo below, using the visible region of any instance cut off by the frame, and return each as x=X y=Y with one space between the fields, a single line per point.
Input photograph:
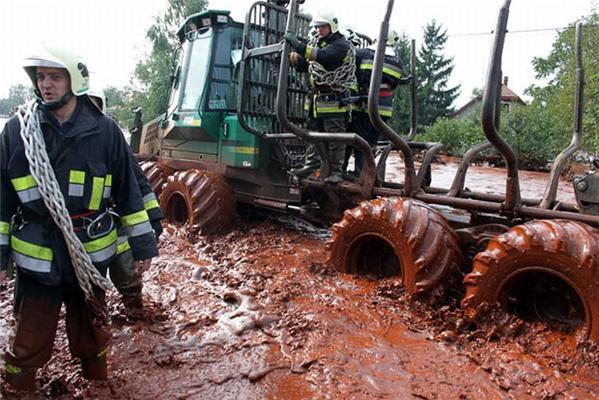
x=255 y=314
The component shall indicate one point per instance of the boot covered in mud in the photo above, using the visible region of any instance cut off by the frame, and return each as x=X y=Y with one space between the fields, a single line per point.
x=19 y=379
x=95 y=368
x=133 y=302
x=337 y=156
x=311 y=164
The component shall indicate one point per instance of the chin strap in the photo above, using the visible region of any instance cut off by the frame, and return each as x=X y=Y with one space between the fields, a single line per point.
x=55 y=105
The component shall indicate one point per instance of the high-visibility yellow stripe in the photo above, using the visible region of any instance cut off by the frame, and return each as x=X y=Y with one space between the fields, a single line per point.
x=97 y=192
x=330 y=110
x=108 y=180
x=123 y=247
x=23 y=183
x=77 y=177
x=135 y=218
x=242 y=149
x=4 y=228
x=151 y=204
x=30 y=249
x=386 y=70
x=100 y=243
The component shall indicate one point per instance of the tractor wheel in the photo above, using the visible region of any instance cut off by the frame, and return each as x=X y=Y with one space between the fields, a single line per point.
x=157 y=175
x=396 y=236
x=544 y=270
x=202 y=199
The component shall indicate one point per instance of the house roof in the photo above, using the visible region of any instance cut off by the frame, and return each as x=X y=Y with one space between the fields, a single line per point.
x=507 y=95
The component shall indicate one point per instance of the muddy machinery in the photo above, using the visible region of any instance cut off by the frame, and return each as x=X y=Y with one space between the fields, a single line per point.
x=235 y=126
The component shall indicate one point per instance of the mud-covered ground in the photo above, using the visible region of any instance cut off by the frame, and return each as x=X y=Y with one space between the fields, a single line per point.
x=255 y=313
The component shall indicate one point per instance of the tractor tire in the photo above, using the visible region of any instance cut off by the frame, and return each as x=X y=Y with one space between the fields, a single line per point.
x=202 y=199
x=396 y=236
x=545 y=270
x=157 y=175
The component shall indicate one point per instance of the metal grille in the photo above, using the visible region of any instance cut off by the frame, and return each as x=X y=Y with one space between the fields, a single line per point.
x=264 y=27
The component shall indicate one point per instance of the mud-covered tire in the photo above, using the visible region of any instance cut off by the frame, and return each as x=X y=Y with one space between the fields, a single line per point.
x=424 y=245
x=564 y=249
x=202 y=199
x=157 y=175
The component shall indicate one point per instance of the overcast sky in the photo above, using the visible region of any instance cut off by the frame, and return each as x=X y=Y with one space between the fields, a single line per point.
x=111 y=33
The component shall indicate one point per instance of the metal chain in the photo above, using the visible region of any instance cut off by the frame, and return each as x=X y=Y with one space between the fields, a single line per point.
x=42 y=172
x=339 y=79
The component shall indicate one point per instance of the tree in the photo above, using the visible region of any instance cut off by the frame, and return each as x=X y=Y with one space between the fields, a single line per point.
x=17 y=95
x=400 y=121
x=434 y=69
x=559 y=69
x=153 y=74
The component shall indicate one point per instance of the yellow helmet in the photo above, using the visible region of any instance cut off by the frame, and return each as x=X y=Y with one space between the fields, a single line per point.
x=326 y=18
x=57 y=57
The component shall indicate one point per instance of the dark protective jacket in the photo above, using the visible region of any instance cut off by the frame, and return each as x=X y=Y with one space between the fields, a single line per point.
x=331 y=52
x=392 y=72
x=93 y=164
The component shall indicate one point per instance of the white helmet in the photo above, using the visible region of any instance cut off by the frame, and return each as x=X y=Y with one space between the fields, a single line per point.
x=98 y=98
x=326 y=18
x=352 y=37
x=56 y=57
x=392 y=38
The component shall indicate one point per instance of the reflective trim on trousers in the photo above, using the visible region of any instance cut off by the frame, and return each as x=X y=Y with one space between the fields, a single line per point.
x=139 y=229
x=29 y=195
x=30 y=263
x=4 y=239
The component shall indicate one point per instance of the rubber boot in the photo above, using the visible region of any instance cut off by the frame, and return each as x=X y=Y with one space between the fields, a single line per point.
x=94 y=368
x=337 y=155
x=24 y=380
x=311 y=164
x=133 y=302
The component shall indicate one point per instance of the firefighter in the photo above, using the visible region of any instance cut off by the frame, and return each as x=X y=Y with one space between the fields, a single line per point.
x=392 y=73
x=329 y=52
x=126 y=277
x=91 y=163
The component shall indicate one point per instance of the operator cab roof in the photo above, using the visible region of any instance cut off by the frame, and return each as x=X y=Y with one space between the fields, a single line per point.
x=205 y=19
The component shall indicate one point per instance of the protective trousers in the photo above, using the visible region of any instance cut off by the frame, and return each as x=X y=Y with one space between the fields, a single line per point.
x=363 y=127
x=127 y=279
x=37 y=310
x=335 y=150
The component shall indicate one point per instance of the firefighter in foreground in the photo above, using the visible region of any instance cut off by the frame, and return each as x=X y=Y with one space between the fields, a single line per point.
x=392 y=73
x=127 y=278
x=330 y=60
x=91 y=164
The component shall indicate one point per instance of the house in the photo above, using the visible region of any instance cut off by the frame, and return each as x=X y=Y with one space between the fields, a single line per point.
x=508 y=99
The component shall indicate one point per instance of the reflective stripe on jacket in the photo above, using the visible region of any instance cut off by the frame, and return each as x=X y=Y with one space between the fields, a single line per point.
x=92 y=163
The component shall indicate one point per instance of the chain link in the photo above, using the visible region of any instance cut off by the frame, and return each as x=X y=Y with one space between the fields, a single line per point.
x=340 y=79
x=42 y=172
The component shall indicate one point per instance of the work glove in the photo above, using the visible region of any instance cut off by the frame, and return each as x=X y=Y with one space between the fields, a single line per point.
x=292 y=39
x=294 y=58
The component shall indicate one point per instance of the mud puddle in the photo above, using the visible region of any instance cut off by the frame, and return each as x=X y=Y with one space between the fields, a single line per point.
x=484 y=179
x=256 y=314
